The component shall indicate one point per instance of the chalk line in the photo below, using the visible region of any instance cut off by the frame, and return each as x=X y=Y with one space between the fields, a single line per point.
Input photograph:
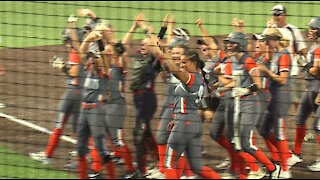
x=36 y=127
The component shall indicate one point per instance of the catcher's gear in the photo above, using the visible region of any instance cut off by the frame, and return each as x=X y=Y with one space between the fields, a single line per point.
x=239 y=38
x=57 y=62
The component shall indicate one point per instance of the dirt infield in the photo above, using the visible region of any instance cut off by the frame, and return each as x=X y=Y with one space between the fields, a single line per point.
x=31 y=91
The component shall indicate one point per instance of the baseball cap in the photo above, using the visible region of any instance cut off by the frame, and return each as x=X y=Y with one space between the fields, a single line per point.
x=279 y=9
x=273 y=34
x=259 y=37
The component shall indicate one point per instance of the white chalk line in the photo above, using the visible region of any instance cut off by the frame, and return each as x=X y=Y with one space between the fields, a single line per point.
x=36 y=127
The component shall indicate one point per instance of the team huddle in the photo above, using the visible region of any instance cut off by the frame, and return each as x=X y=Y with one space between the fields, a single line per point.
x=246 y=86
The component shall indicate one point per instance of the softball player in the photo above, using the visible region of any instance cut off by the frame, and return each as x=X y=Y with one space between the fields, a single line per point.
x=166 y=117
x=278 y=109
x=246 y=80
x=145 y=69
x=69 y=105
x=209 y=48
x=186 y=133
x=176 y=46
x=115 y=107
x=90 y=120
x=223 y=110
x=297 y=48
x=307 y=105
x=262 y=56
x=188 y=95
x=114 y=96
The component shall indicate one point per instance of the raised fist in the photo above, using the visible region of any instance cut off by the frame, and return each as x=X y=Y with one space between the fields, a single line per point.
x=237 y=22
x=199 y=22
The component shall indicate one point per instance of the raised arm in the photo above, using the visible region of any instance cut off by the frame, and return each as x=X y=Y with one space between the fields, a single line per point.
x=238 y=24
x=86 y=12
x=75 y=39
x=164 y=27
x=170 y=29
x=206 y=37
x=91 y=37
x=128 y=37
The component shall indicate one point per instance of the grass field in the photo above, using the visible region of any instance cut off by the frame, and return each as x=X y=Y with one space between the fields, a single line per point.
x=25 y=24
x=13 y=165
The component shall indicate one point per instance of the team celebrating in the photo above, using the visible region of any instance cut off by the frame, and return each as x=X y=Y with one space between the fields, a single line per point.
x=245 y=88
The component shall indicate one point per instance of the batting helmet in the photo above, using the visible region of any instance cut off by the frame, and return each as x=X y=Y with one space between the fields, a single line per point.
x=181 y=32
x=239 y=38
x=314 y=23
x=178 y=41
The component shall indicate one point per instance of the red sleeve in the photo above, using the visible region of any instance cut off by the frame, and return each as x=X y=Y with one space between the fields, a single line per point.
x=284 y=63
x=222 y=55
x=250 y=64
x=317 y=54
x=228 y=69
x=256 y=55
x=191 y=80
x=74 y=57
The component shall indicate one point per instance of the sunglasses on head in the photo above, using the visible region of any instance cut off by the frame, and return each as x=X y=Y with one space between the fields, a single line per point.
x=277 y=14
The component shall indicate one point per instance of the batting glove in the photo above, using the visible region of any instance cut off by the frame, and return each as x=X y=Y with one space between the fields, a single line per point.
x=238 y=92
x=57 y=62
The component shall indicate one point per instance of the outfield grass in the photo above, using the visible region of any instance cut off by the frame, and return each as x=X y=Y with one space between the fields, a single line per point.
x=40 y=23
x=16 y=166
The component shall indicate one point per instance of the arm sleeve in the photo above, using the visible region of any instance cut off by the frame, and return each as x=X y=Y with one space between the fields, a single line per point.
x=284 y=63
x=317 y=54
x=250 y=65
x=228 y=70
x=74 y=58
x=190 y=81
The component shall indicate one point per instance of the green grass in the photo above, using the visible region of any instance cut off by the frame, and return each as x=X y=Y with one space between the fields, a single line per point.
x=16 y=166
x=40 y=23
